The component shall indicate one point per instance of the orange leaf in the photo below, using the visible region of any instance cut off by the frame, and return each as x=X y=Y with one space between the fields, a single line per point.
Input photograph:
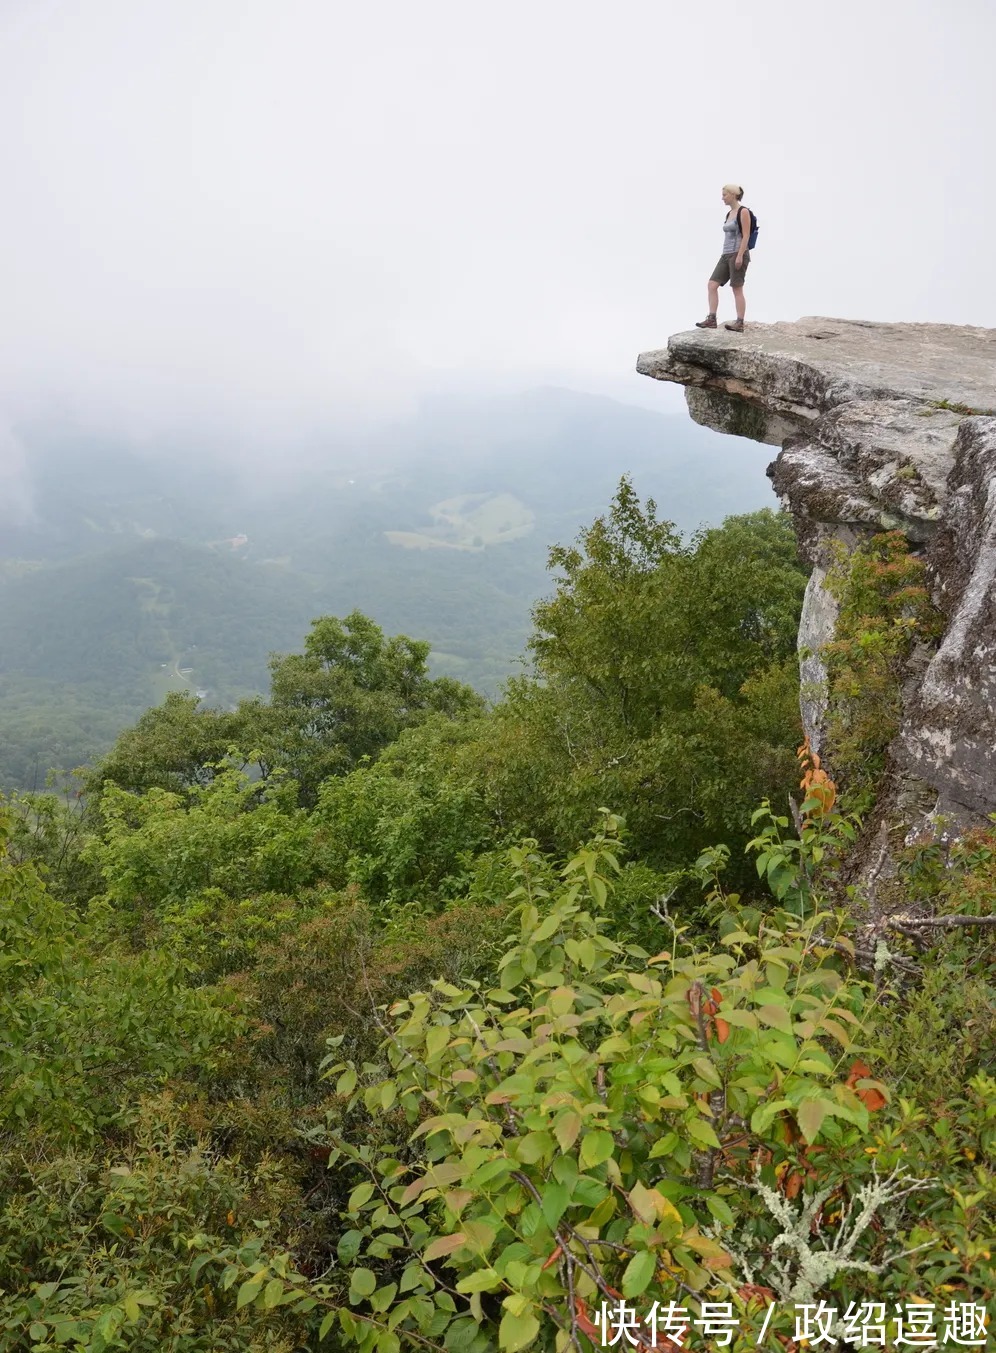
x=755 y=1292
x=793 y=1185
x=553 y=1258
x=873 y=1099
x=584 y=1323
x=443 y=1246
x=722 y=1030
x=858 y=1072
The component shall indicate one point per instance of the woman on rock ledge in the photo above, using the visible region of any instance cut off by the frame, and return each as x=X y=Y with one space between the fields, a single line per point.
x=733 y=261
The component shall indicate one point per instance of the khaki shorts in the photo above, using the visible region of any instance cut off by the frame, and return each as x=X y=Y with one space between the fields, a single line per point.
x=726 y=270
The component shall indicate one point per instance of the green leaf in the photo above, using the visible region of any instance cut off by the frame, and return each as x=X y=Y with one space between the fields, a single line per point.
x=777 y=1017
x=707 y=1071
x=765 y=1114
x=484 y=1280
x=567 y=1128
x=547 y=928
x=554 y=1204
x=326 y=1325
x=489 y=1172
x=436 y=1039
x=596 y=1147
x=638 y=1273
x=271 y=1296
x=720 y=1210
x=534 y=1146
x=810 y=1115
x=517 y=1331
x=741 y=936
x=700 y=1131
x=460 y=1336
x=349 y=1246
x=248 y=1292
x=664 y=1145
x=383 y=1297
x=360 y=1195
x=346 y=1083
x=362 y=1283
x=411 y=1277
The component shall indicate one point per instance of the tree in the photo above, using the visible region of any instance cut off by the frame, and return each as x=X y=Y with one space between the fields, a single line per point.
x=346 y=697
x=172 y=746
x=658 y=664
x=349 y=695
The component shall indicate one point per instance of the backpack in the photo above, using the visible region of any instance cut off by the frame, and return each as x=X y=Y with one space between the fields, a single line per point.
x=752 y=240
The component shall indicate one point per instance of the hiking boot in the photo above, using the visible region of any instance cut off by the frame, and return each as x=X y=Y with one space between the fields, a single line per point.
x=708 y=323
x=737 y=327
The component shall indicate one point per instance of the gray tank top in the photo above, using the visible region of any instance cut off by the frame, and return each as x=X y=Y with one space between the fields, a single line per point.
x=731 y=232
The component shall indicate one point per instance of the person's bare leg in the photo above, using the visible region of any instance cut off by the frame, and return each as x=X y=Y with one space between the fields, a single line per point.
x=739 y=302
x=713 y=297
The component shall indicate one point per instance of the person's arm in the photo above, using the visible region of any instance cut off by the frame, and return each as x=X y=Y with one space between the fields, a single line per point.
x=744 y=234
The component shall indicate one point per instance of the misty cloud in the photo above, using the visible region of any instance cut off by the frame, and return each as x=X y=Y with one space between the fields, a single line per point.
x=272 y=214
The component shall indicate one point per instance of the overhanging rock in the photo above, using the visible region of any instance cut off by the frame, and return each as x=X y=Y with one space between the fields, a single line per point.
x=882 y=427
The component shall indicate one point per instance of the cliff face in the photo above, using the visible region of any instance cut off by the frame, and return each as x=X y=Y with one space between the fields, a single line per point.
x=882 y=427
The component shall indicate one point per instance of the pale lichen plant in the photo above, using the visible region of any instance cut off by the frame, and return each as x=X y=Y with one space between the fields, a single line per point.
x=803 y=1260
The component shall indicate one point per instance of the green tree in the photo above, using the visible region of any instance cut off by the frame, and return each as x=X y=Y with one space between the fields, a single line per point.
x=84 y=1031
x=172 y=746
x=658 y=665
x=406 y=827
x=350 y=694
x=207 y=875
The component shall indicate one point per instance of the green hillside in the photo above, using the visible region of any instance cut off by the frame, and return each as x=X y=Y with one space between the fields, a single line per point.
x=141 y=574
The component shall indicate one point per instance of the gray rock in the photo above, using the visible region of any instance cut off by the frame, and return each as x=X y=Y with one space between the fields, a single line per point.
x=882 y=427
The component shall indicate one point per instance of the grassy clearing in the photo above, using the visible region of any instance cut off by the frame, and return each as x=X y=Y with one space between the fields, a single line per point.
x=472 y=521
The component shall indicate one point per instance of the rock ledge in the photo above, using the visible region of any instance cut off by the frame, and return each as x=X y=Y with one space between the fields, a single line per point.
x=882 y=427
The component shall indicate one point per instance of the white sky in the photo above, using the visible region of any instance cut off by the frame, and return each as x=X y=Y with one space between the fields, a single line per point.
x=279 y=209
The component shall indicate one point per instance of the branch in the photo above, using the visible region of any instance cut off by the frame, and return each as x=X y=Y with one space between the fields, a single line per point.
x=936 y=922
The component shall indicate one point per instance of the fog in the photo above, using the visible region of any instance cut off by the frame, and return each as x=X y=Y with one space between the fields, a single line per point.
x=262 y=217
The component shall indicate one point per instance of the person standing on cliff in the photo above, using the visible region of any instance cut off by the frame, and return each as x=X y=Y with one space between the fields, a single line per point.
x=733 y=261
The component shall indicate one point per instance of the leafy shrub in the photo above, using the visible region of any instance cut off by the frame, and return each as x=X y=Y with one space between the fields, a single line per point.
x=580 y=1128
x=83 y=1032
x=95 y=1249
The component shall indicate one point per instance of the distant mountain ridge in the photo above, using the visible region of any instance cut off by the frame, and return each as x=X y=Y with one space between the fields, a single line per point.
x=125 y=574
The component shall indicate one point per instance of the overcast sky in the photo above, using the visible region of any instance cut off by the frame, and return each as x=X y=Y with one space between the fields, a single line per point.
x=271 y=210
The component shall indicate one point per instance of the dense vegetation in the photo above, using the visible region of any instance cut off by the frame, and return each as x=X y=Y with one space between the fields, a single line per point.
x=365 y=1017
